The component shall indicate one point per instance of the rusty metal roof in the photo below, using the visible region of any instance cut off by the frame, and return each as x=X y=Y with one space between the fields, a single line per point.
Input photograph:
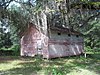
x=60 y=29
x=65 y=30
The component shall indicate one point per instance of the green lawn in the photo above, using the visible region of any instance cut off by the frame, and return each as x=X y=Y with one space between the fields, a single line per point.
x=11 y=65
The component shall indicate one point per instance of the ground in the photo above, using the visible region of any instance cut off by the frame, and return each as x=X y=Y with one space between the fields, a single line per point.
x=77 y=65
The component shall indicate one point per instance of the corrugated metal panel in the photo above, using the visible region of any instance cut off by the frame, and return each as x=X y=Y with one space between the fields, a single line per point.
x=67 y=46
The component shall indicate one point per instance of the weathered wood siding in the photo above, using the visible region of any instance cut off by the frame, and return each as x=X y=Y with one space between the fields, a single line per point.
x=64 y=45
x=29 y=43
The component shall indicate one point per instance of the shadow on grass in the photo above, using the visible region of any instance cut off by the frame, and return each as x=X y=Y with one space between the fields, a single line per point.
x=26 y=69
x=58 y=66
x=91 y=63
x=7 y=59
x=31 y=66
x=27 y=65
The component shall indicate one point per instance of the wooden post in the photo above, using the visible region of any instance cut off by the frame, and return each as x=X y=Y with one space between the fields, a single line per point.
x=85 y=54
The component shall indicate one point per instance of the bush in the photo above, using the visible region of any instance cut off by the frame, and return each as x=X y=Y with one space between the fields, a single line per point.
x=92 y=51
x=97 y=49
x=15 y=48
x=88 y=49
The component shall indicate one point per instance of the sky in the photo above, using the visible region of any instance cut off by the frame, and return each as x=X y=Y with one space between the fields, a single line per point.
x=15 y=3
x=18 y=5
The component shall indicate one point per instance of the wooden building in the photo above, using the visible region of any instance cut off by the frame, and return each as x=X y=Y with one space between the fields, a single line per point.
x=58 y=42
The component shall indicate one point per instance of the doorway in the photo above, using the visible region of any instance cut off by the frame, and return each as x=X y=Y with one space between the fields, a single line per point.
x=39 y=47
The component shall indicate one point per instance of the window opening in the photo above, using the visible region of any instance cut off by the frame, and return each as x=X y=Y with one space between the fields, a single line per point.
x=77 y=36
x=69 y=35
x=59 y=33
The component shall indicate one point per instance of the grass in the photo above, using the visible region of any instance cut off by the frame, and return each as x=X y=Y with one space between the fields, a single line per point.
x=78 y=65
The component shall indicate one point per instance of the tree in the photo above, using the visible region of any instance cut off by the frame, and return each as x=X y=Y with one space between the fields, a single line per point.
x=5 y=40
x=80 y=15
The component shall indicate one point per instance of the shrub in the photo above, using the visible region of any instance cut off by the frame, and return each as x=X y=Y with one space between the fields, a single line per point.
x=88 y=49
x=15 y=48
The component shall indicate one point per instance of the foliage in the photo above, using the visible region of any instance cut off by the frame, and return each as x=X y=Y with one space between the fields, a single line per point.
x=15 y=48
x=60 y=13
x=55 y=71
x=5 y=40
x=92 y=40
